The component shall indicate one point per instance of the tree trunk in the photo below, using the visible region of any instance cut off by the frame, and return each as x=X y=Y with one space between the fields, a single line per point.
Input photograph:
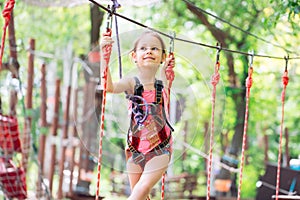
x=238 y=95
x=92 y=102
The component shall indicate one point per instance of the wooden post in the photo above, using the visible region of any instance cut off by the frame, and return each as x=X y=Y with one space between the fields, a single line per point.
x=28 y=104
x=30 y=74
x=43 y=125
x=43 y=118
x=12 y=37
x=13 y=65
x=54 y=128
x=74 y=136
x=64 y=143
x=90 y=128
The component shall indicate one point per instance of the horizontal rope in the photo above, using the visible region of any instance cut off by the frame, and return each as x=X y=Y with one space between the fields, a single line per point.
x=238 y=28
x=185 y=40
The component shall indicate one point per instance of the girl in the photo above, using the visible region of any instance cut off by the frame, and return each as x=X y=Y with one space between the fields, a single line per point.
x=149 y=137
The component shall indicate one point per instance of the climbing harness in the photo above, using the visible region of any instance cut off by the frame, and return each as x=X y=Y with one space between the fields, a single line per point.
x=142 y=110
x=285 y=81
x=214 y=81
x=249 y=81
x=6 y=13
x=106 y=57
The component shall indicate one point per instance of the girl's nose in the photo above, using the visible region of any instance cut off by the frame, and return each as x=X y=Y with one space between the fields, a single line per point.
x=149 y=50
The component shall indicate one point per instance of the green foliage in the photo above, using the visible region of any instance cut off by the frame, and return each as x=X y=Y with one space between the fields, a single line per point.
x=54 y=28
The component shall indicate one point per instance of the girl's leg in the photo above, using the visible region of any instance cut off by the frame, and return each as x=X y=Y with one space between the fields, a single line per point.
x=153 y=171
x=134 y=173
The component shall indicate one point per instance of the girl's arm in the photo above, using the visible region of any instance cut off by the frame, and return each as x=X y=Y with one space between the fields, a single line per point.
x=112 y=87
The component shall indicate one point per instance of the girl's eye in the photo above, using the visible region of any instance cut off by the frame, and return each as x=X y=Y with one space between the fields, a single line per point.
x=154 y=49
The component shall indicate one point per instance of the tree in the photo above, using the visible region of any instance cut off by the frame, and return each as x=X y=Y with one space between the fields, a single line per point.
x=235 y=24
x=92 y=100
x=227 y=36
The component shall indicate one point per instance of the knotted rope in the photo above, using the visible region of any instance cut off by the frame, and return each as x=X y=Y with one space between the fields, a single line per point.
x=214 y=81
x=6 y=13
x=285 y=81
x=106 y=52
x=170 y=70
x=249 y=82
x=170 y=75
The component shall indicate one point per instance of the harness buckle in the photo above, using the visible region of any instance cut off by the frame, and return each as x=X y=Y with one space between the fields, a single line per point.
x=139 y=158
x=159 y=150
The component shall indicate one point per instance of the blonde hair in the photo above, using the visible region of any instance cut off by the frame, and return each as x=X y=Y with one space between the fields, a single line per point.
x=152 y=33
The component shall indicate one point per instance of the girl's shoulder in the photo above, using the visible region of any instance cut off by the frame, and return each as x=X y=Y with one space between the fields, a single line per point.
x=130 y=82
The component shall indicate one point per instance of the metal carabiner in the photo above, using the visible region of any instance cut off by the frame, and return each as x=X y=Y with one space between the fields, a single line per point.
x=219 y=47
x=172 y=35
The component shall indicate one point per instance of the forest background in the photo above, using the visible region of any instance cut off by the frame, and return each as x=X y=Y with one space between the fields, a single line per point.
x=268 y=28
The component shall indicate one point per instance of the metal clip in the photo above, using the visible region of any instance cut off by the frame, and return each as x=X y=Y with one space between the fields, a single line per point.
x=139 y=158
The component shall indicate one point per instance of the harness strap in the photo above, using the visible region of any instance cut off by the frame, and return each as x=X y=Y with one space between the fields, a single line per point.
x=158 y=147
x=138 y=90
x=158 y=91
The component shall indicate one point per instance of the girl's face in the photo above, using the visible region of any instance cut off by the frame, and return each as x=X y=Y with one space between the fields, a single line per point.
x=148 y=52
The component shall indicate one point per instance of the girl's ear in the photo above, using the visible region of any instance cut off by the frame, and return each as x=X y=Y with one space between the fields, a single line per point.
x=133 y=56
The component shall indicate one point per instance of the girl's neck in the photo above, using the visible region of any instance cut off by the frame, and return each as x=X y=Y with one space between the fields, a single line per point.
x=146 y=77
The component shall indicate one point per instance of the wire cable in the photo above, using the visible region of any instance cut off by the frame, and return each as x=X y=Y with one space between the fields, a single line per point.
x=189 y=41
x=238 y=28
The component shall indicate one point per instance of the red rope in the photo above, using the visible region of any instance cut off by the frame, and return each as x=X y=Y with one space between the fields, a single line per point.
x=169 y=71
x=214 y=81
x=163 y=186
x=170 y=77
x=6 y=13
x=106 y=56
x=248 y=86
x=285 y=81
x=170 y=74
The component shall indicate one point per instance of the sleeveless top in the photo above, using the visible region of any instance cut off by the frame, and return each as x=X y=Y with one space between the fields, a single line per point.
x=154 y=129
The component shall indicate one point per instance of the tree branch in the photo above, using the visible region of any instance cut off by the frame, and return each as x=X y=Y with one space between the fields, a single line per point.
x=221 y=37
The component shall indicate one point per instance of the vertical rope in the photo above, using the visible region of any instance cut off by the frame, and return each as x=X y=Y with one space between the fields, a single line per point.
x=163 y=178
x=170 y=72
x=285 y=81
x=170 y=75
x=6 y=13
x=214 y=81
x=106 y=56
x=248 y=86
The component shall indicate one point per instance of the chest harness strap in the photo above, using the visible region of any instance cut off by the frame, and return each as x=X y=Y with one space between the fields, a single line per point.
x=139 y=115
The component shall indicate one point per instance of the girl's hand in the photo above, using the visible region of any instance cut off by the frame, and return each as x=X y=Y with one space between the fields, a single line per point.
x=167 y=73
x=168 y=61
x=106 y=40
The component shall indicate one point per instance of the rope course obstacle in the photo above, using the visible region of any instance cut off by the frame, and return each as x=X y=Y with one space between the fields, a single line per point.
x=12 y=177
x=10 y=142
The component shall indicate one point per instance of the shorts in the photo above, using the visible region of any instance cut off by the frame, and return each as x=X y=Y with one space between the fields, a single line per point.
x=141 y=159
